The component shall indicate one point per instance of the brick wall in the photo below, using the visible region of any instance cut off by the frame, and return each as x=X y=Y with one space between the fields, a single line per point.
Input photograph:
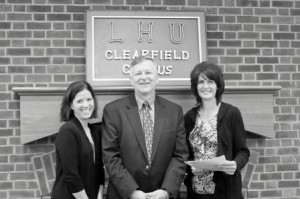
x=42 y=44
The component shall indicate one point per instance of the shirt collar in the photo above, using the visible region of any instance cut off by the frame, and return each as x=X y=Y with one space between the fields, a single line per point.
x=140 y=100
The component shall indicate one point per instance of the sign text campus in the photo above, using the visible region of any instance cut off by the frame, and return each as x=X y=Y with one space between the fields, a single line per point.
x=176 y=40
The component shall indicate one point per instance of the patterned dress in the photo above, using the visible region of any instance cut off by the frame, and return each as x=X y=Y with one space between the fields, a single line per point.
x=204 y=143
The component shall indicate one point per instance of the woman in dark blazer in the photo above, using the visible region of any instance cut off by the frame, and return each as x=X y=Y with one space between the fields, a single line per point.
x=79 y=168
x=214 y=128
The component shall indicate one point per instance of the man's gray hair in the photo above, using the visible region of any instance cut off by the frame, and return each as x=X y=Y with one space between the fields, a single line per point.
x=140 y=59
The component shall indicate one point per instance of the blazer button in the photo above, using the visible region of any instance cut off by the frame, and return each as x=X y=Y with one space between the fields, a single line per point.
x=147 y=167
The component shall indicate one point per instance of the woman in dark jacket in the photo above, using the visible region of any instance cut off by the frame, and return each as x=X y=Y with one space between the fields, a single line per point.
x=79 y=168
x=214 y=129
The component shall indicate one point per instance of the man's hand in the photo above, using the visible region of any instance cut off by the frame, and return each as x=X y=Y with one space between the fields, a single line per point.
x=158 y=194
x=138 y=194
x=228 y=167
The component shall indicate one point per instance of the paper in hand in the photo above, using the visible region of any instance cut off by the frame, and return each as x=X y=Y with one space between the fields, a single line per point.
x=211 y=164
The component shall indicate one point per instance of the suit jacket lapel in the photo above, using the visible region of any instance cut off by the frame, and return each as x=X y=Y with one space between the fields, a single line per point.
x=135 y=122
x=159 y=121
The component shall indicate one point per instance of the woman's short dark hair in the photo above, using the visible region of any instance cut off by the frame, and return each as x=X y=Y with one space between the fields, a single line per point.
x=66 y=113
x=213 y=72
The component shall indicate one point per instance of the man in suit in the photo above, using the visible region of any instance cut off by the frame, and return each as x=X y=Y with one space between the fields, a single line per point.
x=144 y=146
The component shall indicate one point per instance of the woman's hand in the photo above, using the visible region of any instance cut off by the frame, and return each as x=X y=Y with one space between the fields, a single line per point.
x=197 y=171
x=229 y=167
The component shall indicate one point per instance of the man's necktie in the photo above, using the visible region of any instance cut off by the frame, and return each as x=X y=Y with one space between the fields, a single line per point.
x=148 y=129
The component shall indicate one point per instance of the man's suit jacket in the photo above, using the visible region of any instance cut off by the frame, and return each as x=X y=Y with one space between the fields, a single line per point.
x=125 y=154
x=231 y=143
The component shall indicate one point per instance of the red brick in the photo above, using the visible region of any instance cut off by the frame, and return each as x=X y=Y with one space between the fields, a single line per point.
x=39 y=17
x=5 y=185
x=257 y=185
x=20 y=185
x=17 y=16
x=58 y=34
x=215 y=35
x=282 y=3
x=38 y=8
x=6 y=115
x=230 y=43
x=75 y=9
x=249 y=51
x=211 y=3
x=21 y=194
x=267 y=76
x=215 y=51
x=232 y=76
x=78 y=17
x=39 y=78
x=265 y=19
x=4 y=61
x=288 y=151
x=157 y=2
x=78 y=34
x=59 y=17
x=60 y=1
x=71 y=78
x=76 y=26
x=265 y=11
x=288 y=176
x=286 y=117
x=288 y=184
x=20 y=69
x=247 y=19
x=39 y=34
x=75 y=60
x=5 y=25
x=14 y=123
x=58 y=51
x=5 y=96
x=285 y=68
x=269 y=160
x=248 y=171
x=252 y=194
x=249 y=68
x=48 y=166
x=271 y=176
x=6 y=168
x=37 y=60
x=248 y=35
x=58 y=8
x=22 y=158
x=284 y=52
x=78 y=52
x=38 y=25
x=21 y=176
x=284 y=36
x=287 y=167
x=271 y=193
x=20 y=1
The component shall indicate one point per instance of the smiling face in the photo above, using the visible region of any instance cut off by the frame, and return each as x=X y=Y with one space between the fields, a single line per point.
x=83 y=105
x=207 y=88
x=144 y=78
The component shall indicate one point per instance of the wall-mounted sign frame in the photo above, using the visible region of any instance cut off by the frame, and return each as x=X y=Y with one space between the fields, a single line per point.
x=176 y=41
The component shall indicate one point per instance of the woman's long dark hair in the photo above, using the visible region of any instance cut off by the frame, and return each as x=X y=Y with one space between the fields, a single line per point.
x=66 y=113
x=213 y=72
